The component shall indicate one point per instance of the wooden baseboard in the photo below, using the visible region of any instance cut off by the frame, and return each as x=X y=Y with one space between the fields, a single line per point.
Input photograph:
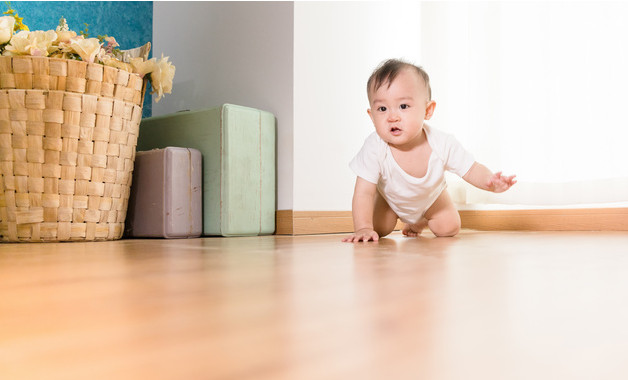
x=314 y=222
x=601 y=219
x=598 y=219
x=284 y=222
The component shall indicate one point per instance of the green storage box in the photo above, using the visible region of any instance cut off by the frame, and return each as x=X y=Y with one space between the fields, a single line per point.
x=238 y=148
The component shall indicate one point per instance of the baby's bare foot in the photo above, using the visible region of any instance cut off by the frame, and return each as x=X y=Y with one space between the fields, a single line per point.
x=413 y=230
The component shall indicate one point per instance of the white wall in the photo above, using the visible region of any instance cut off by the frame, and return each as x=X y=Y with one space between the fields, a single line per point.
x=307 y=62
x=336 y=47
x=232 y=52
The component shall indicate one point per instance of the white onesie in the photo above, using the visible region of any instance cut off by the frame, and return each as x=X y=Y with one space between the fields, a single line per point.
x=409 y=197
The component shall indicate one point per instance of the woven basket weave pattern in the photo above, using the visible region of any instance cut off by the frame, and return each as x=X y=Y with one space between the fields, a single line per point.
x=68 y=132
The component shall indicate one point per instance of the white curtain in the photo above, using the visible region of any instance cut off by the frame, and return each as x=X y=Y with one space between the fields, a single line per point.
x=538 y=89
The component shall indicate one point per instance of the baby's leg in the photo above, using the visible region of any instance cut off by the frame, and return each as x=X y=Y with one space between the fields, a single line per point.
x=384 y=218
x=442 y=217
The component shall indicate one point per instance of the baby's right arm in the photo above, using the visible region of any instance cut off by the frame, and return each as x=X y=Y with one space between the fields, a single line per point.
x=363 y=204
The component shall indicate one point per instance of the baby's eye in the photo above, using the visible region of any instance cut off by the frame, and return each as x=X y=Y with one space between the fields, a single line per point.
x=404 y=106
x=381 y=109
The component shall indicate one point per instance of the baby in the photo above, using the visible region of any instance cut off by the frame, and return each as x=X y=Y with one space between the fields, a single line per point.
x=400 y=168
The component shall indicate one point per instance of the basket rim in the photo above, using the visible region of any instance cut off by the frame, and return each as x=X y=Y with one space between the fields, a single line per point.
x=25 y=72
x=31 y=57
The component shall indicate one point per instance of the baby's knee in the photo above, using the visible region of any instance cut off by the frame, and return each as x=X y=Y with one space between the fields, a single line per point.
x=446 y=229
x=381 y=232
x=450 y=232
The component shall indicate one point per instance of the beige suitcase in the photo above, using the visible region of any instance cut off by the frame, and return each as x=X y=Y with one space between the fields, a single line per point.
x=166 y=194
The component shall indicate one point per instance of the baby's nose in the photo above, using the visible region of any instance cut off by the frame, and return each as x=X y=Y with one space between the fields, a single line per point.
x=393 y=116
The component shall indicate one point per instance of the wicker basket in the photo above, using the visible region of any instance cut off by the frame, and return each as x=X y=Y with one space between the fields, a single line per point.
x=68 y=132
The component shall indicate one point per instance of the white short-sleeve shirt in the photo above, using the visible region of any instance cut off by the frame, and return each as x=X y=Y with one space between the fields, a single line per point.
x=408 y=196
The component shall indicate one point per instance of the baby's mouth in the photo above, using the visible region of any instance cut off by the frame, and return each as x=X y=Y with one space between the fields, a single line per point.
x=395 y=130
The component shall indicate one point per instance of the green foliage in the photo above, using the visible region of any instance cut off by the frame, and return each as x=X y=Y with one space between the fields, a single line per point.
x=85 y=33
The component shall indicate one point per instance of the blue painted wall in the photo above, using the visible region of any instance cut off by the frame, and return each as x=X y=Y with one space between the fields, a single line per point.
x=130 y=22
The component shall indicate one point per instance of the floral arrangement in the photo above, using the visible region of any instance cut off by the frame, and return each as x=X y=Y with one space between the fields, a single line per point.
x=16 y=39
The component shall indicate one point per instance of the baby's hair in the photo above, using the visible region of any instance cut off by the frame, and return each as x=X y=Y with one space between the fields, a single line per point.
x=387 y=71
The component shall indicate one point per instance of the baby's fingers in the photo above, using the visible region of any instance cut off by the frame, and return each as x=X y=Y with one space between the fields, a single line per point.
x=374 y=236
x=350 y=239
x=510 y=181
x=361 y=237
x=494 y=179
x=368 y=237
x=505 y=185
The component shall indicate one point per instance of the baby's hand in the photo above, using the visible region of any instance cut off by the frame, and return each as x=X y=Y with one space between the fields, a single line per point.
x=499 y=183
x=365 y=234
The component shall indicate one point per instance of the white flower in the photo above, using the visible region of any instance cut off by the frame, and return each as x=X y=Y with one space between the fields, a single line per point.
x=161 y=77
x=7 y=23
x=37 y=43
x=86 y=48
x=63 y=25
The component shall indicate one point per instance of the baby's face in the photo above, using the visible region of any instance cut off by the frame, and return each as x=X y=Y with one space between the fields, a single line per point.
x=399 y=111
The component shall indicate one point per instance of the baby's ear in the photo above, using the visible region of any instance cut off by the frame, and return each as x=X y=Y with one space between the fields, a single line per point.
x=429 y=110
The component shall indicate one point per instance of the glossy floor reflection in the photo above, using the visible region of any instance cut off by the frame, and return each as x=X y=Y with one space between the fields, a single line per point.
x=482 y=305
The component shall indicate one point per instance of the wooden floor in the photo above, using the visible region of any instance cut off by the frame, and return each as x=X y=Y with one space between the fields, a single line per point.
x=483 y=305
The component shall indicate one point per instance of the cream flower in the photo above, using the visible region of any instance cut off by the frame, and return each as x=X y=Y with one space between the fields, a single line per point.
x=76 y=38
x=141 y=66
x=7 y=23
x=18 y=45
x=86 y=48
x=65 y=36
x=37 y=43
x=65 y=46
x=161 y=77
x=102 y=56
x=41 y=42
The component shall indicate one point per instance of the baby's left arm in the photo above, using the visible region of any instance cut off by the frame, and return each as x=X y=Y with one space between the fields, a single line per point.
x=481 y=177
